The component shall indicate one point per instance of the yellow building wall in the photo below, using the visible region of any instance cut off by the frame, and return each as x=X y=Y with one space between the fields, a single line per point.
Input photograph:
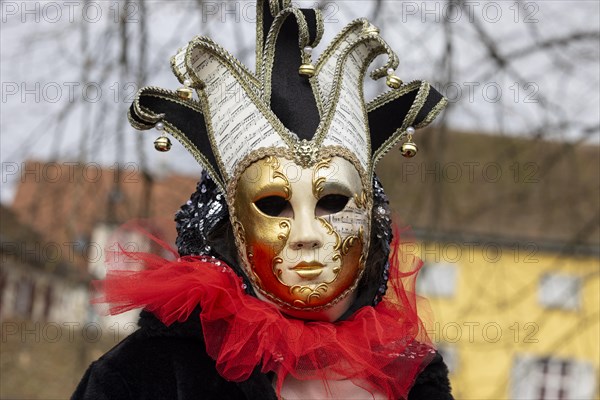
x=496 y=315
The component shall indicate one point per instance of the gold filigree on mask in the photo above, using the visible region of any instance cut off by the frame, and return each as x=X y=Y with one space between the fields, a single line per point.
x=285 y=226
x=238 y=230
x=277 y=272
x=268 y=235
x=361 y=200
x=338 y=240
x=308 y=293
x=273 y=163
x=350 y=241
x=347 y=243
x=319 y=181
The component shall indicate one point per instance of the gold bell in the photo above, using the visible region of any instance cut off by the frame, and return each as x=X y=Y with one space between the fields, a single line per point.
x=307 y=69
x=162 y=144
x=393 y=81
x=409 y=148
x=186 y=92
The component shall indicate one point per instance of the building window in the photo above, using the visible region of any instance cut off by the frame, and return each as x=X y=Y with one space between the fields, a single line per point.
x=437 y=280
x=552 y=378
x=560 y=291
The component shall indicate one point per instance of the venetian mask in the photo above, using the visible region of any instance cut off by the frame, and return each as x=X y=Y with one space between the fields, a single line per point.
x=293 y=145
x=302 y=232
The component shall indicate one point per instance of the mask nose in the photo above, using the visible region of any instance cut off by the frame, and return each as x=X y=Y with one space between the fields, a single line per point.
x=305 y=234
x=305 y=243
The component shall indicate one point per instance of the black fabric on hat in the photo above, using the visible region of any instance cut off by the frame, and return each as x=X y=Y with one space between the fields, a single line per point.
x=135 y=118
x=433 y=98
x=187 y=120
x=292 y=98
x=267 y=20
x=385 y=120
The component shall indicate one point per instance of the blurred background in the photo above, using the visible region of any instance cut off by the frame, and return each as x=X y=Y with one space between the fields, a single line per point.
x=502 y=198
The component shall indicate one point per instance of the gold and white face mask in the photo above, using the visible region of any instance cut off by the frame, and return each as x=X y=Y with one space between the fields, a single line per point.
x=302 y=232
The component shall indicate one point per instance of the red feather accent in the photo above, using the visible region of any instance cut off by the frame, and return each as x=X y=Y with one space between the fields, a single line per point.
x=380 y=348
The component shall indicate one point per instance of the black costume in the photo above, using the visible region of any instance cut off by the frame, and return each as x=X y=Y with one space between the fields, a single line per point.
x=157 y=362
x=292 y=214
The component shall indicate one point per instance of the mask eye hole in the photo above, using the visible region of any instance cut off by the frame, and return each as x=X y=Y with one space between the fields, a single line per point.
x=274 y=206
x=331 y=204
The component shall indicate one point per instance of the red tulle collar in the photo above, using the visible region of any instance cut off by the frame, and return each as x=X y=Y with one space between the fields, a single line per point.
x=380 y=348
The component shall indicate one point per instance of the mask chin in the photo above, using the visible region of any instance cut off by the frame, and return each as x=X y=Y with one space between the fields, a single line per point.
x=328 y=314
x=303 y=233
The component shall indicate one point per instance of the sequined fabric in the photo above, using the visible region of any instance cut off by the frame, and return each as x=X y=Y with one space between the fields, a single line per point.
x=382 y=229
x=199 y=216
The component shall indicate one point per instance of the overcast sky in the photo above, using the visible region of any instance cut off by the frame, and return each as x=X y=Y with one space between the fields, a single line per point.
x=64 y=94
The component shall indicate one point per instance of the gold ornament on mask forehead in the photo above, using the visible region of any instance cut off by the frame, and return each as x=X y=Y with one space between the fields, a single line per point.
x=319 y=181
x=305 y=153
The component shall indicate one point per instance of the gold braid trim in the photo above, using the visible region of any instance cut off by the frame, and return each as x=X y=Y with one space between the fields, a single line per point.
x=269 y=51
x=151 y=117
x=392 y=95
x=319 y=91
x=380 y=47
x=357 y=24
x=170 y=128
x=433 y=113
x=408 y=121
